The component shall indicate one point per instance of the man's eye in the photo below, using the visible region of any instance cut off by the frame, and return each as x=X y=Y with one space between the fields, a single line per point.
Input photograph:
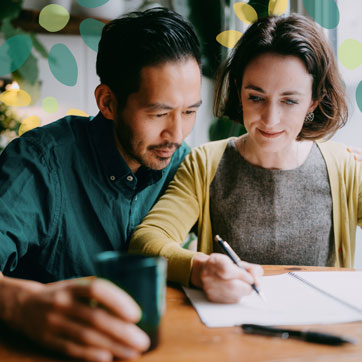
x=160 y=115
x=255 y=99
x=189 y=112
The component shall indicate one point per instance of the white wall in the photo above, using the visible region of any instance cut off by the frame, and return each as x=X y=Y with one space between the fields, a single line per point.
x=79 y=96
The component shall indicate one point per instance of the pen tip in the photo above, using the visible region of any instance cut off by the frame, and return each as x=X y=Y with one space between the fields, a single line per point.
x=217 y=238
x=262 y=296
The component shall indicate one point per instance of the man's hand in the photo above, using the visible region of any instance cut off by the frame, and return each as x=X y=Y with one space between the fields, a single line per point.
x=61 y=317
x=222 y=280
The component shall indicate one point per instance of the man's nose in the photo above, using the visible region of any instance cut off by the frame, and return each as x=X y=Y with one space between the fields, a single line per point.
x=173 y=129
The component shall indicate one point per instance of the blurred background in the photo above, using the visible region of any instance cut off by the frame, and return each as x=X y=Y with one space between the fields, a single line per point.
x=48 y=52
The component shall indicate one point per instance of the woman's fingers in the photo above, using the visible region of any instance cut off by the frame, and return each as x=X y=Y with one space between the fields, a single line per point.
x=225 y=291
x=255 y=270
x=225 y=282
x=356 y=153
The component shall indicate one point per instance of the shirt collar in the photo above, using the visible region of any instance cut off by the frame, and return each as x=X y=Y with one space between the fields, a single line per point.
x=116 y=168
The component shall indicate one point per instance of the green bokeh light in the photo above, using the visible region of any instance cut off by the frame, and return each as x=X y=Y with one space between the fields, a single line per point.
x=324 y=12
x=14 y=52
x=350 y=53
x=91 y=3
x=359 y=96
x=63 y=65
x=90 y=31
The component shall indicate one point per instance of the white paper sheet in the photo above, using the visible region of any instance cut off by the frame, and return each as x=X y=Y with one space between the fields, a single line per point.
x=289 y=301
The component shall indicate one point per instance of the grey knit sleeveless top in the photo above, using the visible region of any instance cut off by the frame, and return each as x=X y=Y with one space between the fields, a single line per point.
x=273 y=216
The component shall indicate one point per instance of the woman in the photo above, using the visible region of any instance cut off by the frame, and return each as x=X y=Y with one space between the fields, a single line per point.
x=279 y=194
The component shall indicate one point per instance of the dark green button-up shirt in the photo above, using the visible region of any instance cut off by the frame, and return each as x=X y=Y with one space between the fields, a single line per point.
x=66 y=194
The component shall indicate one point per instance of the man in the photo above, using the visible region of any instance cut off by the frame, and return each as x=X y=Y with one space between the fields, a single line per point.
x=79 y=186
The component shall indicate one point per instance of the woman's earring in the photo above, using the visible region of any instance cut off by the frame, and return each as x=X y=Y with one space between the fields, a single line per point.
x=309 y=117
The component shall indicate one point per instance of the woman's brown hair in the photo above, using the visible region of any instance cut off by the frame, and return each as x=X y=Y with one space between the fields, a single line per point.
x=294 y=35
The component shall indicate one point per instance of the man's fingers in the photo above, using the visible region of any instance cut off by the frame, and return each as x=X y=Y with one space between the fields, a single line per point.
x=85 y=338
x=117 y=329
x=84 y=353
x=110 y=296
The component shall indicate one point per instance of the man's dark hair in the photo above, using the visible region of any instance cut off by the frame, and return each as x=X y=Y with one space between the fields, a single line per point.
x=141 y=39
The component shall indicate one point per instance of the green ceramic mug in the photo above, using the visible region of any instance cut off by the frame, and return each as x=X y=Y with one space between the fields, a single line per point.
x=144 y=279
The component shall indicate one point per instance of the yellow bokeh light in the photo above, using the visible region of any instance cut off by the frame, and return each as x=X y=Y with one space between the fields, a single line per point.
x=76 y=112
x=350 y=54
x=229 y=38
x=15 y=98
x=245 y=12
x=53 y=17
x=29 y=123
x=277 y=7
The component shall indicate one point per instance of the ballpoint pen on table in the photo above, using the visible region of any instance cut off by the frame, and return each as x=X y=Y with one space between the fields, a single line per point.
x=234 y=257
x=308 y=336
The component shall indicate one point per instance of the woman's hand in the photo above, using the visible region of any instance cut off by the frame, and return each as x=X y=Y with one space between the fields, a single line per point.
x=91 y=320
x=222 y=280
x=356 y=153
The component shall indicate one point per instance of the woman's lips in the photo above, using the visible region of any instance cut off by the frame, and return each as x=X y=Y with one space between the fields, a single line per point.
x=270 y=134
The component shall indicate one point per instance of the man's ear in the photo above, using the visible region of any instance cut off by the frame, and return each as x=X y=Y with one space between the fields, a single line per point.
x=106 y=101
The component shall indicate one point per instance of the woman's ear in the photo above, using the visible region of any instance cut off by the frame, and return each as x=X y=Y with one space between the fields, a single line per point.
x=313 y=105
x=106 y=101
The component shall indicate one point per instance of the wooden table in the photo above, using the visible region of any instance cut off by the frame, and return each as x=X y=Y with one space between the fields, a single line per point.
x=184 y=338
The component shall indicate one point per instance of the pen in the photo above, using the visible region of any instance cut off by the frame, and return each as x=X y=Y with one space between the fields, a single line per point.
x=234 y=257
x=308 y=336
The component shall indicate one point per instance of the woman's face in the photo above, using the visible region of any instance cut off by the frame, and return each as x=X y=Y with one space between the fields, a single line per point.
x=276 y=94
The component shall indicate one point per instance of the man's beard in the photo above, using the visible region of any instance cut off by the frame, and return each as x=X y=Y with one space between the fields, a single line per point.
x=126 y=136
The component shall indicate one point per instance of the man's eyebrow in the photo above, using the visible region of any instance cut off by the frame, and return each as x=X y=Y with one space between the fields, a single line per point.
x=260 y=90
x=164 y=106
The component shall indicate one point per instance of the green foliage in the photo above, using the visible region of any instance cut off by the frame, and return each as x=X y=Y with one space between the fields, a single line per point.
x=224 y=128
x=260 y=6
x=207 y=18
x=10 y=9
x=9 y=125
x=28 y=73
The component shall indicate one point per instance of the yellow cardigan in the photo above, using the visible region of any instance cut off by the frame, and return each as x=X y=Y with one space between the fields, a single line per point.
x=186 y=202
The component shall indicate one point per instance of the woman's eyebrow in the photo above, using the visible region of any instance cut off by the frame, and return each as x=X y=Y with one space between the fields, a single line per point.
x=285 y=93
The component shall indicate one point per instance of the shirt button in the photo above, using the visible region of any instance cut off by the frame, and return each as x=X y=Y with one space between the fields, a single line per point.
x=112 y=178
x=135 y=198
x=129 y=178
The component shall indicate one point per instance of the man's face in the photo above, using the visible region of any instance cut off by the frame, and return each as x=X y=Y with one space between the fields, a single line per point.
x=158 y=117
